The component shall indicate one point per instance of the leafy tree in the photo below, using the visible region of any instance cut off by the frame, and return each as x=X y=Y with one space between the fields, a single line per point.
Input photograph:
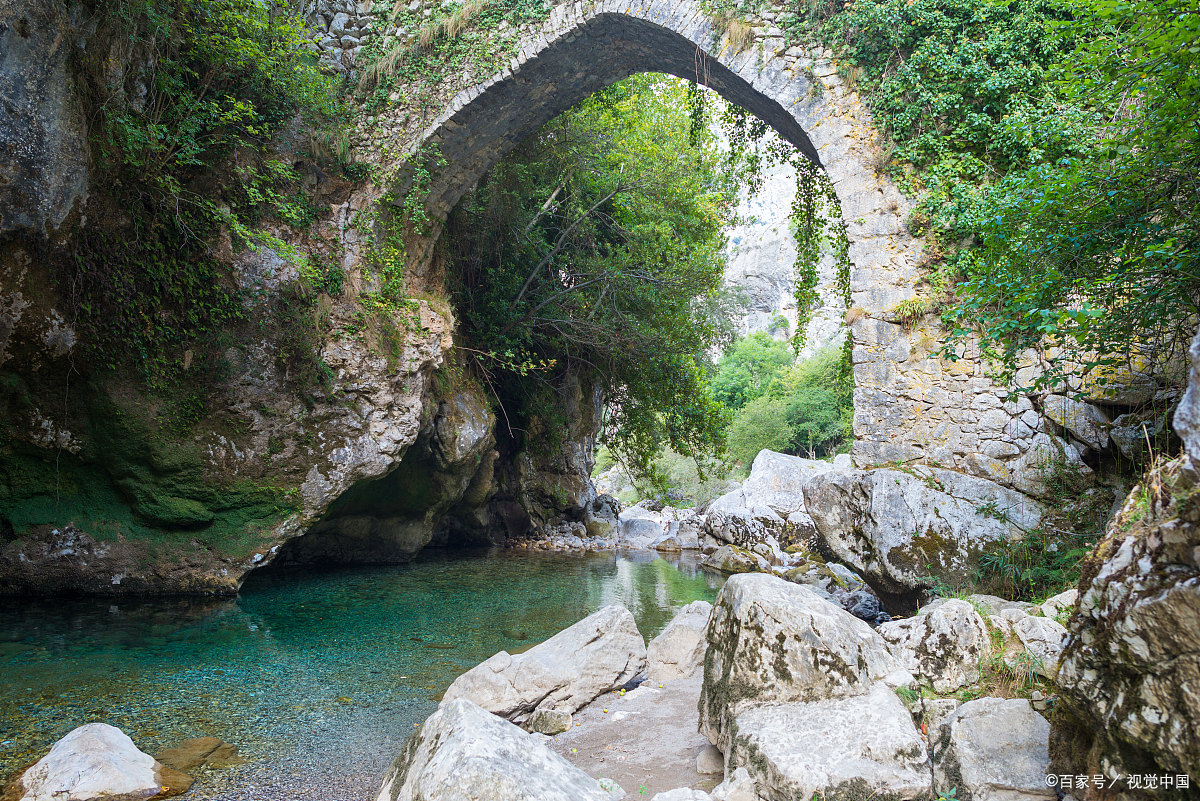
x=761 y=424
x=1100 y=250
x=587 y=249
x=749 y=368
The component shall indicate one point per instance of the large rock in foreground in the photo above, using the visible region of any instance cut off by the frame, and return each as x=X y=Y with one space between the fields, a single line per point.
x=599 y=653
x=463 y=752
x=993 y=749
x=860 y=747
x=902 y=531
x=1129 y=675
x=98 y=761
x=679 y=650
x=770 y=641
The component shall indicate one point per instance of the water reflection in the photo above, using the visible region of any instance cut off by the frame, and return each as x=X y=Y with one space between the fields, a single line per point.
x=299 y=651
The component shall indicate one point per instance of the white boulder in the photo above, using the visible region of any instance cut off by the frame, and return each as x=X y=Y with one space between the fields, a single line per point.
x=1044 y=638
x=95 y=761
x=814 y=750
x=943 y=644
x=902 y=530
x=462 y=751
x=993 y=749
x=679 y=650
x=770 y=641
x=777 y=481
x=598 y=654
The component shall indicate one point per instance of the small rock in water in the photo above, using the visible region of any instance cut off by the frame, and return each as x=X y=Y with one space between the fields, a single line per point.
x=191 y=754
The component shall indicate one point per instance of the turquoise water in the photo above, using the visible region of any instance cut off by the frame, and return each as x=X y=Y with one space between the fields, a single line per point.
x=323 y=671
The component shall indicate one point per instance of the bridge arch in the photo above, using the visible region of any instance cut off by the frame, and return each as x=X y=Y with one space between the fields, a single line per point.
x=585 y=46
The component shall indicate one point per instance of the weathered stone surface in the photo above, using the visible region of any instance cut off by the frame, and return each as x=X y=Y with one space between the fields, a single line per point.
x=866 y=745
x=777 y=481
x=902 y=530
x=43 y=136
x=1129 y=678
x=97 y=761
x=1187 y=414
x=1064 y=601
x=1033 y=471
x=732 y=559
x=943 y=645
x=710 y=761
x=679 y=650
x=1042 y=637
x=770 y=641
x=993 y=749
x=736 y=527
x=1087 y=422
x=463 y=752
x=599 y=653
x=549 y=721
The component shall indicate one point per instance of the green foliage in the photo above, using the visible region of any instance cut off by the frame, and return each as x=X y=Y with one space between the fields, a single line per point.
x=748 y=368
x=1054 y=146
x=1099 y=250
x=184 y=98
x=802 y=409
x=587 y=248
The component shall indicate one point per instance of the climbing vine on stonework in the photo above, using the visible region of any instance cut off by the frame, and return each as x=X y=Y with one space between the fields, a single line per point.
x=817 y=220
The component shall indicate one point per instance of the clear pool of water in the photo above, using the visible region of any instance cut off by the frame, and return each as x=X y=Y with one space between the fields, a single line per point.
x=318 y=677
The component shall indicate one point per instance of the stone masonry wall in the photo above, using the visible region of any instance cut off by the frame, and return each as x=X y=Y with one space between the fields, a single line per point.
x=909 y=405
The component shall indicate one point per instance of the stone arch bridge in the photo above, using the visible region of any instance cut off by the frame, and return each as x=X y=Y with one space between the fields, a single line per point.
x=907 y=407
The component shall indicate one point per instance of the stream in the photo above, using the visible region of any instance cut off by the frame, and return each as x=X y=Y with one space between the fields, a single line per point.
x=317 y=676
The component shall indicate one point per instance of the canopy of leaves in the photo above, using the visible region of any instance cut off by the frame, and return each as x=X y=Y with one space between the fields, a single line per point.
x=748 y=368
x=1099 y=250
x=597 y=244
x=803 y=409
x=1053 y=144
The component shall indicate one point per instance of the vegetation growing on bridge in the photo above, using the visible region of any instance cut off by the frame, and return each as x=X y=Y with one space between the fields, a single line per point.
x=1054 y=147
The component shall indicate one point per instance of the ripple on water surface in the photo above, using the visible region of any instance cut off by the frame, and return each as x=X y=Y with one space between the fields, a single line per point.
x=318 y=677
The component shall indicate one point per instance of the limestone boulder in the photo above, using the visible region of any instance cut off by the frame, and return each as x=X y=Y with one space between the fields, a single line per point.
x=1033 y=471
x=682 y=794
x=1187 y=415
x=732 y=559
x=993 y=749
x=736 y=527
x=1042 y=638
x=462 y=751
x=679 y=650
x=599 y=653
x=1129 y=676
x=903 y=530
x=97 y=761
x=822 y=749
x=1088 y=423
x=600 y=517
x=1130 y=433
x=1064 y=601
x=732 y=501
x=770 y=641
x=942 y=645
x=638 y=527
x=777 y=481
